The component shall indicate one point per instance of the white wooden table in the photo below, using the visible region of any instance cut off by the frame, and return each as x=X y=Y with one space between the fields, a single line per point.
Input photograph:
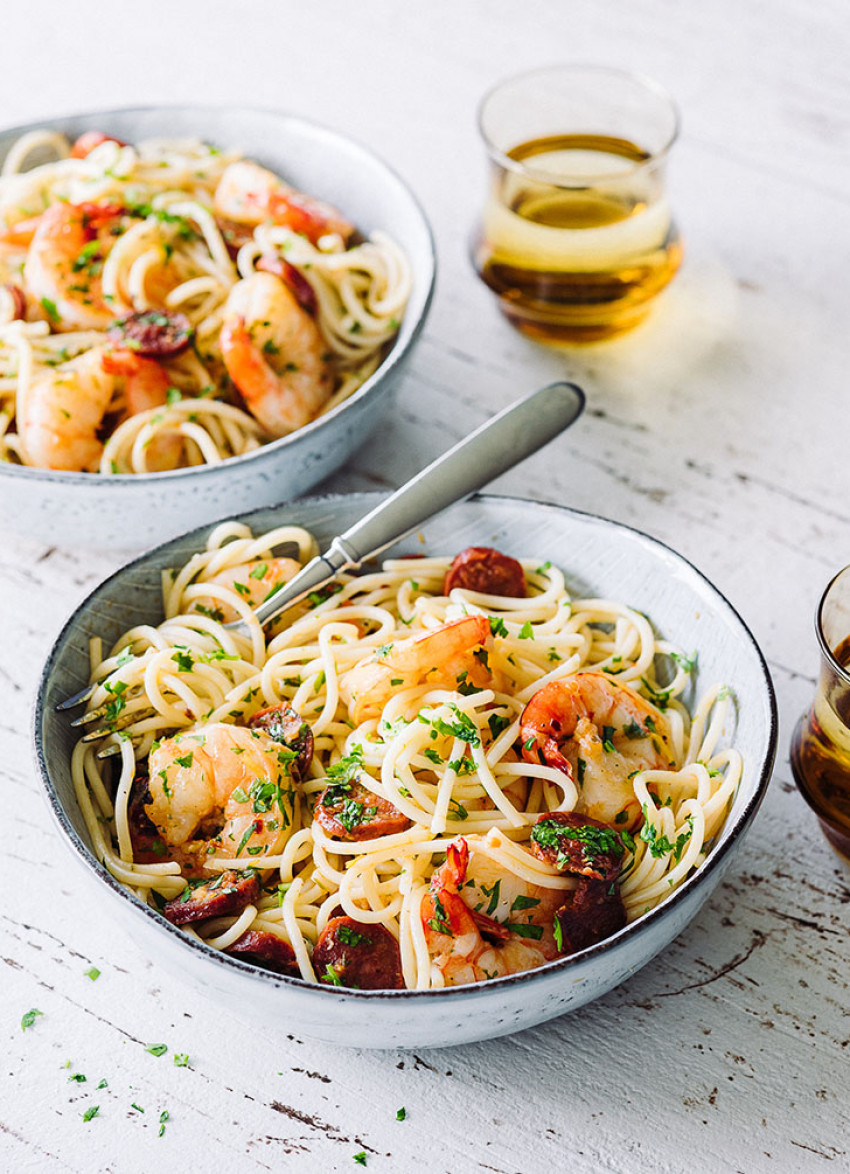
x=720 y=427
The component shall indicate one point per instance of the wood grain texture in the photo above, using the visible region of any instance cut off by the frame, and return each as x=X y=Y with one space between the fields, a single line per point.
x=719 y=427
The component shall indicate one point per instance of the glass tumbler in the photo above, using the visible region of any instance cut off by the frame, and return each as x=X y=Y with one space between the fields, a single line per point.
x=577 y=237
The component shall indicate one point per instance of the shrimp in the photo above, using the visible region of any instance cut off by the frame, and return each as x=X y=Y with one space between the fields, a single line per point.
x=146 y=386
x=60 y=413
x=444 y=656
x=64 y=264
x=249 y=194
x=62 y=409
x=600 y=734
x=467 y=944
x=274 y=353
x=254 y=582
x=223 y=790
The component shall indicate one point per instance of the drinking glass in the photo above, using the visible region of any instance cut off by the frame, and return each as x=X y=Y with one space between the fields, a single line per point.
x=820 y=747
x=577 y=236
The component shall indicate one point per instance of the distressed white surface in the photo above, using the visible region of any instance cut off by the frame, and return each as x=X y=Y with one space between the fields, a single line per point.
x=721 y=427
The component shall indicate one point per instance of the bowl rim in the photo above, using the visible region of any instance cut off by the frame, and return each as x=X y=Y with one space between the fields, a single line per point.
x=562 y=966
x=399 y=351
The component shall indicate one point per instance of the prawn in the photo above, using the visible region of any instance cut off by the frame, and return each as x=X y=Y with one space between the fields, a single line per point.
x=249 y=194
x=274 y=353
x=64 y=264
x=146 y=386
x=465 y=943
x=599 y=734
x=60 y=414
x=62 y=409
x=224 y=790
x=441 y=656
x=253 y=581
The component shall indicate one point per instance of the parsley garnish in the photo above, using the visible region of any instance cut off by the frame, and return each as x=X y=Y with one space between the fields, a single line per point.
x=524 y=903
x=259 y=572
x=493 y=893
x=401 y=1114
x=332 y=976
x=526 y=632
x=608 y=739
x=463 y=727
x=181 y=1060
x=361 y=1157
x=92 y=1112
x=50 y=309
x=497 y=626
x=524 y=930
x=497 y=724
x=92 y=973
x=350 y=937
x=157 y=1049
x=183 y=660
x=29 y=1018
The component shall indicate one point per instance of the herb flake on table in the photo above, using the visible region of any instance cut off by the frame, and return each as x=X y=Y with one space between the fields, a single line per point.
x=401 y=1114
x=29 y=1018
x=93 y=973
x=157 y=1049
x=93 y=1111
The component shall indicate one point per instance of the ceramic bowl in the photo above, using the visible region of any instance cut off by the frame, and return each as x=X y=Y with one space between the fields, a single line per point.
x=132 y=512
x=598 y=558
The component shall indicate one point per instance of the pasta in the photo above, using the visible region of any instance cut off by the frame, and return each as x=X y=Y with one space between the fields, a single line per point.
x=167 y=304
x=413 y=812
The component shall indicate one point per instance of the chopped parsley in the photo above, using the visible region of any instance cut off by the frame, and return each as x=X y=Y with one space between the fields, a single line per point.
x=78 y=1077
x=331 y=975
x=29 y=1018
x=497 y=724
x=494 y=893
x=433 y=755
x=498 y=626
x=163 y=1117
x=361 y=1157
x=401 y=1114
x=659 y=697
x=608 y=739
x=463 y=727
x=686 y=663
x=259 y=572
x=524 y=930
x=347 y=769
x=49 y=308
x=186 y=759
x=521 y=902
x=634 y=730
x=91 y=1112
x=183 y=660
x=456 y=809
x=558 y=934
x=526 y=632
x=350 y=937
x=92 y=973
x=595 y=841
x=157 y=1049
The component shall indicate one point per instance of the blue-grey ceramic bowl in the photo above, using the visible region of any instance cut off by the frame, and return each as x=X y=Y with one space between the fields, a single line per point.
x=132 y=512
x=598 y=558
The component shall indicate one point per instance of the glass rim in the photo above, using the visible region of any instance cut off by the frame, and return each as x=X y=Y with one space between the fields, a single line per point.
x=519 y=167
x=840 y=669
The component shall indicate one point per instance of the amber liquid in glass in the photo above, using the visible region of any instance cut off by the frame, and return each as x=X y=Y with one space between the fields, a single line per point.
x=820 y=754
x=577 y=263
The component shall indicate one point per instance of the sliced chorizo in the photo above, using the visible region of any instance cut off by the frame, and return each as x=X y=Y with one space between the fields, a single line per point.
x=90 y=139
x=592 y=912
x=157 y=334
x=353 y=954
x=350 y=811
x=578 y=845
x=284 y=724
x=229 y=892
x=148 y=847
x=292 y=278
x=488 y=571
x=235 y=235
x=267 y=950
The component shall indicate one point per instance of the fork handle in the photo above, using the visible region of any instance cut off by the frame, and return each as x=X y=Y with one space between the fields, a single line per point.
x=499 y=444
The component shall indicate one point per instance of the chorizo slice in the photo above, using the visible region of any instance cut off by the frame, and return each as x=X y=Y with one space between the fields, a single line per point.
x=229 y=892
x=578 y=845
x=267 y=950
x=488 y=571
x=350 y=811
x=148 y=847
x=86 y=143
x=353 y=954
x=235 y=235
x=284 y=724
x=157 y=334
x=293 y=279
x=592 y=912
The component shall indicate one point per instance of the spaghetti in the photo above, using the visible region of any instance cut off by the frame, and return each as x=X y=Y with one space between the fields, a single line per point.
x=239 y=308
x=417 y=816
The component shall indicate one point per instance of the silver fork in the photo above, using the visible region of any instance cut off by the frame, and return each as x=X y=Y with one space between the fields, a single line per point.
x=498 y=445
